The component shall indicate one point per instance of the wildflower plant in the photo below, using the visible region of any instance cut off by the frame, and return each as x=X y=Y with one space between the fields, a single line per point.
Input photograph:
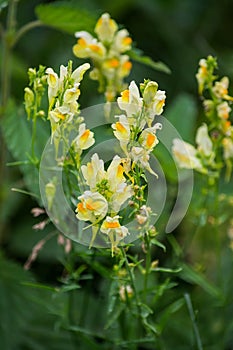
x=97 y=176
x=214 y=138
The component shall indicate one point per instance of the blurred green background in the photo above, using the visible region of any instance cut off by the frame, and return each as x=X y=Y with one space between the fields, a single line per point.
x=178 y=33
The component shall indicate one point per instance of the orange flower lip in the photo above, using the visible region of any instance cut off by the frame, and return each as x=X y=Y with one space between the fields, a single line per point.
x=127 y=41
x=113 y=224
x=120 y=127
x=89 y=206
x=85 y=135
x=82 y=42
x=150 y=140
x=125 y=95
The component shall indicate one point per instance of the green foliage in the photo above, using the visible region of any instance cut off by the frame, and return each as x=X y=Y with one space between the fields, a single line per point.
x=17 y=135
x=137 y=56
x=181 y=294
x=65 y=17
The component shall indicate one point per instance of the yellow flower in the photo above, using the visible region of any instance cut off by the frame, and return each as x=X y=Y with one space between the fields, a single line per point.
x=106 y=28
x=124 y=67
x=202 y=74
x=185 y=155
x=120 y=196
x=227 y=148
x=71 y=95
x=148 y=139
x=204 y=143
x=122 y=41
x=130 y=102
x=122 y=131
x=141 y=156
x=94 y=171
x=58 y=116
x=87 y=46
x=92 y=207
x=53 y=84
x=85 y=138
x=159 y=102
x=223 y=110
x=112 y=228
x=221 y=87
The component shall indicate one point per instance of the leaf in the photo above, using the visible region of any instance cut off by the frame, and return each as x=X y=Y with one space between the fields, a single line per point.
x=136 y=55
x=158 y=244
x=145 y=310
x=3 y=4
x=165 y=269
x=18 y=139
x=65 y=17
x=17 y=135
x=182 y=114
x=192 y=276
x=117 y=311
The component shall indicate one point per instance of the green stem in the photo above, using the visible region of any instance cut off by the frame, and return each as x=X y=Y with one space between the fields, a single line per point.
x=24 y=29
x=132 y=281
x=148 y=263
x=193 y=319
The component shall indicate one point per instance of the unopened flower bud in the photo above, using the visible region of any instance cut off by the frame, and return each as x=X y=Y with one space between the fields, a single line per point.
x=50 y=190
x=149 y=92
x=125 y=290
x=28 y=97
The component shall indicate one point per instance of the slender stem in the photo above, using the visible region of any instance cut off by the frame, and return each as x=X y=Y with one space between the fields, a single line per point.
x=148 y=263
x=193 y=319
x=24 y=29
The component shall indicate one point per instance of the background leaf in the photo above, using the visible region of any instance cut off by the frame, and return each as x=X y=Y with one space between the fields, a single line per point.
x=136 y=55
x=66 y=17
x=17 y=134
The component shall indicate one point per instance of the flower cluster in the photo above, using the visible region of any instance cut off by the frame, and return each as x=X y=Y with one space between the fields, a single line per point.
x=134 y=129
x=107 y=191
x=107 y=52
x=215 y=138
x=63 y=93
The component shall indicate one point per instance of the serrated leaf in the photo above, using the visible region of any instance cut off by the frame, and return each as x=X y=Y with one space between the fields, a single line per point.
x=136 y=55
x=63 y=16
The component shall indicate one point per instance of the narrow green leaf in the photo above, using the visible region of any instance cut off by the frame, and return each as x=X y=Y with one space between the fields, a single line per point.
x=193 y=319
x=158 y=244
x=145 y=310
x=64 y=17
x=164 y=269
x=136 y=55
x=117 y=311
x=192 y=276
